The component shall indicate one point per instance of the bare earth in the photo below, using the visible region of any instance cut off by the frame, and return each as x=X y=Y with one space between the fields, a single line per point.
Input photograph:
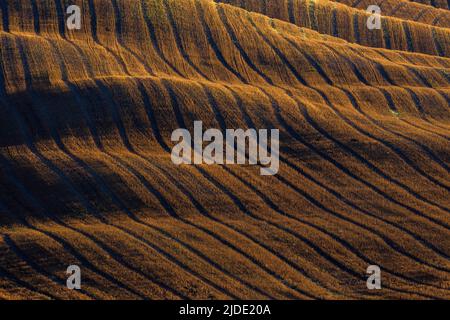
x=86 y=177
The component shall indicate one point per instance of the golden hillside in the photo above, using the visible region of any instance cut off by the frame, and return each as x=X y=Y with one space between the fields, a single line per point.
x=86 y=177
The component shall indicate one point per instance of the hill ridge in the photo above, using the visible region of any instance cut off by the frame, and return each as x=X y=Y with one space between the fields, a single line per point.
x=86 y=119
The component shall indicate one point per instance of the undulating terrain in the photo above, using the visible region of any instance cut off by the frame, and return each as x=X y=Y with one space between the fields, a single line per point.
x=86 y=176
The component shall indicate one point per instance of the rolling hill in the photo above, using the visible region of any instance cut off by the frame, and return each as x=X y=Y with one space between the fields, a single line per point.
x=86 y=177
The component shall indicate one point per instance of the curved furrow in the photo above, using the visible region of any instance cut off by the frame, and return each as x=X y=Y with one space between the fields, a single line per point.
x=172 y=212
x=123 y=134
x=343 y=146
x=362 y=79
x=241 y=50
x=93 y=21
x=203 y=211
x=4 y=273
x=336 y=238
x=352 y=99
x=188 y=61
x=405 y=10
x=421 y=79
x=11 y=244
x=387 y=144
x=45 y=290
x=291 y=11
x=62 y=34
x=25 y=195
x=177 y=216
x=233 y=198
x=391 y=103
x=437 y=44
x=252 y=125
x=379 y=124
x=93 y=210
x=406 y=121
x=443 y=95
x=5 y=15
x=293 y=133
x=86 y=149
x=313 y=201
x=154 y=40
x=168 y=207
x=105 y=189
x=111 y=252
x=340 y=166
x=247 y=211
x=59 y=173
x=339 y=196
x=67 y=246
x=238 y=231
x=389 y=242
x=318 y=14
x=19 y=284
x=208 y=177
x=222 y=121
x=179 y=42
x=344 y=169
x=370 y=166
x=118 y=30
x=99 y=243
x=121 y=126
x=209 y=37
x=62 y=261
x=319 y=250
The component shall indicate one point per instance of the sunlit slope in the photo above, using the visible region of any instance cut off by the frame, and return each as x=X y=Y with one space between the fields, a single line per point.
x=407 y=10
x=444 y=4
x=86 y=178
x=340 y=20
